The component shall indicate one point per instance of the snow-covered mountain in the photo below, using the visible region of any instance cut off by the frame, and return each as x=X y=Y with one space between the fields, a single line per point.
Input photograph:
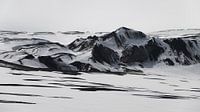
x=120 y=51
x=169 y=80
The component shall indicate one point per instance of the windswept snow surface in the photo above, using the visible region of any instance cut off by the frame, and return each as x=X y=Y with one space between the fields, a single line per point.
x=174 y=33
x=158 y=89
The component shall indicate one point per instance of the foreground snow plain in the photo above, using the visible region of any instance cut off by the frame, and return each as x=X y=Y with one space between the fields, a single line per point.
x=162 y=88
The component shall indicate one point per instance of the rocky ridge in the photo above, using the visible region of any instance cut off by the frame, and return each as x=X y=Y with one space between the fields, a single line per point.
x=117 y=52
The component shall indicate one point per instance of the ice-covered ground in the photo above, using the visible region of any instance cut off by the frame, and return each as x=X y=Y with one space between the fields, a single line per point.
x=158 y=89
x=174 y=33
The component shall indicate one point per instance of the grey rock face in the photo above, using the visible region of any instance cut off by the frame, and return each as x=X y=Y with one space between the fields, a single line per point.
x=114 y=52
x=102 y=54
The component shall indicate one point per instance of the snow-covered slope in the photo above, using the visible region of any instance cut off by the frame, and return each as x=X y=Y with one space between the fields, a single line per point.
x=162 y=89
x=120 y=51
x=38 y=84
x=174 y=33
x=135 y=48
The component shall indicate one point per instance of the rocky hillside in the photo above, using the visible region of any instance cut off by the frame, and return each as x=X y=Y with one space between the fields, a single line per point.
x=118 y=52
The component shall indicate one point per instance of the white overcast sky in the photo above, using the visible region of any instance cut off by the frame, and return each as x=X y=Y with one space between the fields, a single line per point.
x=98 y=15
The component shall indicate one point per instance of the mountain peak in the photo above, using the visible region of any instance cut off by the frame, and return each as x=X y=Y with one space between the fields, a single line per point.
x=123 y=28
x=129 y=33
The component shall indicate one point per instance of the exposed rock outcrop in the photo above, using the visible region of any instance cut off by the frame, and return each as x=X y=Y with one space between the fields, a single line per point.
x=103 y=54
x=115 y=52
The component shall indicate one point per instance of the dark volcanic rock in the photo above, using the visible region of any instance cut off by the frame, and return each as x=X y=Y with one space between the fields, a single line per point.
x=102 y=54
x=115 y=52
x=168 y=62
x=48 y=61
x=29 y=56
x=83 y=44
x=119 y=37
x=123 y=35
x=129 y=33
x=154 y=49
x=139 y=54
x=134 y=54
x=178 y=45
x=84 y=67
x=54 y=64
x=124 y=32
x=185 y=49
